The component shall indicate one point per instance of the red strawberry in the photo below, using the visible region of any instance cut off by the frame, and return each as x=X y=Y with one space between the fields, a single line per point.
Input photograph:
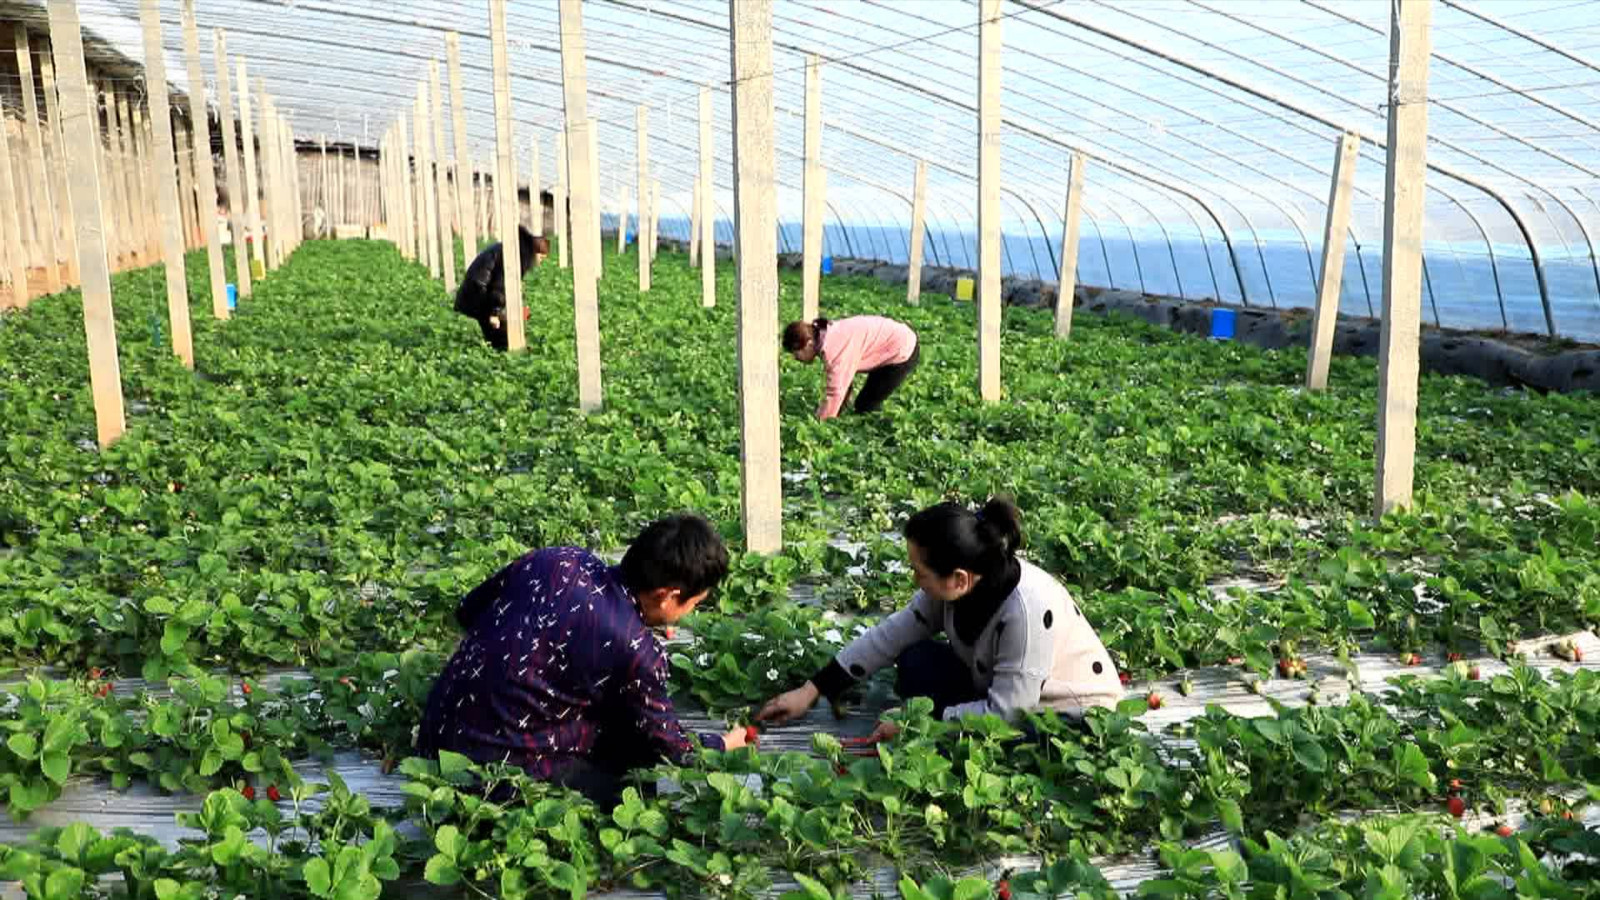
x=526 y=314
x=1412 y=659
x=95 y=673
x=1003 y=890
x=841 y=770
x=1285 y=668
x=1504 y=830
x=249 y=792
x=1474 y=673
x=245 y=686
x=273 y=794
x=347 y=682
x=1455 y=784
x=1457 y=806
x=1125 y=678
x=671 y=632
x=104 y=690
x=1154 y=700
x=1235 y=660
x=751 y=734
x=1566 y=814
x=1577 y=653
x=1452 y=657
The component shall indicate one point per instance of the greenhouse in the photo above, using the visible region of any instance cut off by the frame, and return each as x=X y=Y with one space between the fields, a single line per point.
x=1215 y=514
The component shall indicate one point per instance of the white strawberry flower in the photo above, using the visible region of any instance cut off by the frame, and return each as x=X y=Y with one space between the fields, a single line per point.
x=772 y=674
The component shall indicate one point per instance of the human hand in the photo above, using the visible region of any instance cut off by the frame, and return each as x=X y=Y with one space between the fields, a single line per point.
x=494 y=321
x=789 y=705
x=743 y=736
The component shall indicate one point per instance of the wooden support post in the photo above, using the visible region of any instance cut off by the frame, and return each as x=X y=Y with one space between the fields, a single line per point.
x=1330 y=278
x=447 y=241
x=430 y=194
x=708 y=215
x=426 y=251
x=594 y=193
x=1071 y=222
x=63 y=207
x=622 y=224
x=919 y=210
x=43 y=200
x=755 y=210
x=506 y=173
x=1404 y=193
x=108 y=158
x=641 y=127
x=655 y=218
x=694 y=225
x=458 y=120
x=271 y=193
x=230 y=161
x=585 y=197
x=129 y=180
x=144 y=166
x=252 y=192
x=166 y=186
x=811 y=237
x=80 y=138
x=989 y=200
x=536 y=189
x=13 y=248
x=184 y=157
x=563 y=212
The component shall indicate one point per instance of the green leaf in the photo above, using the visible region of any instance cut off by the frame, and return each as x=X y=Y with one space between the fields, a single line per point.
x=811 y=887
x=173 y=637
x=159 y=606
x=56 y=766
x=319 y=881
x=971 y=889
x=65 y=883
x=24 y=745
x=450 y=842
x=453 y=763
x=441 y=870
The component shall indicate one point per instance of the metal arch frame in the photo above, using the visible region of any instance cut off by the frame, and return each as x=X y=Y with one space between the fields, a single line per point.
x=1114 y=51
x=1262 y=93
x=1446 y=105
x=1249 y=223
x=1126 y=168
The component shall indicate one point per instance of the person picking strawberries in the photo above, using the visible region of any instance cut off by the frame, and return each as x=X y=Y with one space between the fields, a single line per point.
x=482 y=295
x=559 y=671
x=886 y=350
x=1015 y=639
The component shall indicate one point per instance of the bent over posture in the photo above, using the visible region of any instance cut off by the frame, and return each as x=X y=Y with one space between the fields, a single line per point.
x=886 y=350
x=482 y=295
x=559 y=672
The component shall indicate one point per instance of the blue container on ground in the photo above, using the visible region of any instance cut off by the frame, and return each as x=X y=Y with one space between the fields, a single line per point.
x=1222 y=323
x=827 y=265
x=629 y=239
x=233 y=297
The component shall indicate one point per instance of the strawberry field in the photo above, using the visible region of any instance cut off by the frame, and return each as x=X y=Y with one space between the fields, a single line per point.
x=260 y=579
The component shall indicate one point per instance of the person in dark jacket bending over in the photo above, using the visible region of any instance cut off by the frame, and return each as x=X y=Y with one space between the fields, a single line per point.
x=482 y=295
x=559 y=672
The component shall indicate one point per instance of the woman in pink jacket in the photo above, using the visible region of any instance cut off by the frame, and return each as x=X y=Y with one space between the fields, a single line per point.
x=883 y=348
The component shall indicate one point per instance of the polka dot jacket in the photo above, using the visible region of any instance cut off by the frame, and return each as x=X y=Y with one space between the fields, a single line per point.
x=556 y=660
x=1037 y=651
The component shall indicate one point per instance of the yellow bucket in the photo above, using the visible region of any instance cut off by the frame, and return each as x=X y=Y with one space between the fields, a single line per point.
x=964 y=288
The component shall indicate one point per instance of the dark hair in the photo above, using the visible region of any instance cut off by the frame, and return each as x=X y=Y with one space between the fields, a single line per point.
x=527 y=245
x=681 y=551
x=796 y=335
x=953 y=537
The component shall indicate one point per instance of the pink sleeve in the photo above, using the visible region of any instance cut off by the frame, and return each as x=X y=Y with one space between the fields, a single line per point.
x=838 y=384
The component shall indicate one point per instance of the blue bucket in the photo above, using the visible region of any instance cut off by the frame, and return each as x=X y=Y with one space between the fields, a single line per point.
x=1222 y=322
x=827 y=265
x=233 y=297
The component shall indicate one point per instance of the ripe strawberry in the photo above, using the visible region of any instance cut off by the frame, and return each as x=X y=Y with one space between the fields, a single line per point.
x=1285 y=668
x=1474 y=673
x=1235 y=660
x=1566 y=814
x=105 y=689
x=249 y=792
x=1125 y=678
x=1003 y=890
x=1452 y=656
x=1154 y=700
x=347 y=682
x=273 y=794
x=1504 y=830
x=752 y=734
x=1412 y=659
x=841 y=770
x=1457 y=806
x=1455 y=784
x=671 y=632
x=95 y=673
x=526 y=314
x=245 y=687
x=1577 y=653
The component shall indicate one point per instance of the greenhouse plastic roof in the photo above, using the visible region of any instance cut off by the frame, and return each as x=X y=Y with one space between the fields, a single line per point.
x=1210 y=127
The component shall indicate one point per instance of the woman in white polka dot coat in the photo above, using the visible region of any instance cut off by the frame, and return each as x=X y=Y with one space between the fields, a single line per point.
x=1016 y=640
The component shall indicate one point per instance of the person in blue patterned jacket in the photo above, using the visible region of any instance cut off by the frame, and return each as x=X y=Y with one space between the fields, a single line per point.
x=559 y=671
